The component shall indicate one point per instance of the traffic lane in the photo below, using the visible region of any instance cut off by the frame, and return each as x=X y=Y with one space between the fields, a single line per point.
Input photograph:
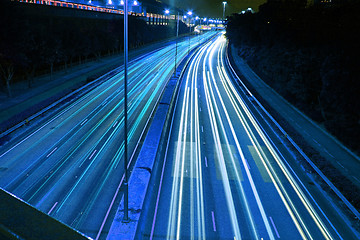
x=290 y=200
x=311 y=214
x=132 y=140
x=164 y=206
x=140 y=114
x=105 y=126
x=225 y=167
x=187 y=193
x=25 y=147
x=184 y=226
x=94 y=94
x=85 y=127
x=249 y=176
x=54 y=133
x=77 y=119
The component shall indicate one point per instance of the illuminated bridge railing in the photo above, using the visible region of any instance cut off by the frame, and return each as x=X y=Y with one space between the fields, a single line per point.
x=151 y=18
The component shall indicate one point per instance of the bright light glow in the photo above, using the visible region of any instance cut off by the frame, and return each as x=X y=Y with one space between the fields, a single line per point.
x=204 y=19
x=249 y=9
x=122 y=2
x=189 y=13
x=167 y=11
x=224 y=3
x=197 y=18
x=243 y=12
x=185 y=17
x=135 y=3
x=110 y=2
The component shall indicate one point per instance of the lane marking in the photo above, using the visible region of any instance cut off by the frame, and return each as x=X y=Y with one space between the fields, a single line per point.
x=356 y=179
x=247 y=164
x=213 y=220
x=200 y=109
x=276 y=231
x=340 y=164
x=83 y=122
x=92 y=154
x=328 y=153
x=316 y=142
x=202 y=128
x=51 y=152
x=206 y=164
x=52 y=208
x=115 y=124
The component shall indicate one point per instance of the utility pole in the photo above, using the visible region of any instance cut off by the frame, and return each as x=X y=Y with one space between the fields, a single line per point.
x=126 y=187
x=224 y=12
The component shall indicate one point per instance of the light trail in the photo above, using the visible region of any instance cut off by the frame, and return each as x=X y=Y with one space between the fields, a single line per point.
x=194 y=161
x=293 y=211
x=216 y=158
x=93 y=123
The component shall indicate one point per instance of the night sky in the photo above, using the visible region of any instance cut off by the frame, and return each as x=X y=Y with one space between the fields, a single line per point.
x=214 y=8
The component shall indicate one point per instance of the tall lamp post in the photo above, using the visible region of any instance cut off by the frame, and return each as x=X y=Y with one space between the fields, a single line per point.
x=224 y=3
x=126 y=187
x=167 y=11
x=189 y=13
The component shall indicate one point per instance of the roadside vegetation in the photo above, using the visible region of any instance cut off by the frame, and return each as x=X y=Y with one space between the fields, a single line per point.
x=35 y=44
x=309 y=54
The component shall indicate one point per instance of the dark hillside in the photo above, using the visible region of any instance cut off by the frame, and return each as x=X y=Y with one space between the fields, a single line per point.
x=34 y=43
x=309 y=55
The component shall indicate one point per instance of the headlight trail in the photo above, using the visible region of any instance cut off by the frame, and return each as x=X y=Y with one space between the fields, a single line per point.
x=229 y=195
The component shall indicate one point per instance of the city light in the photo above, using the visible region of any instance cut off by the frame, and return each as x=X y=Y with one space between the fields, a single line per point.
x=135 y=3
x=189 y=13
x=167 y=11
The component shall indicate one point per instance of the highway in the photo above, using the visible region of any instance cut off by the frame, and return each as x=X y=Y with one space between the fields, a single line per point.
x=223 y=177
x=69 y=164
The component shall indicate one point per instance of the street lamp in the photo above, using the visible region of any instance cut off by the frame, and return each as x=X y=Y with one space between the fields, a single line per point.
x=167 y=11
x=126 y=187
x=224 y=3
x=189 y=13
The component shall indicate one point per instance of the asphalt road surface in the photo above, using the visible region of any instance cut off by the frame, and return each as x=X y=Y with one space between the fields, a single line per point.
x=223 y=176
x=70 y=164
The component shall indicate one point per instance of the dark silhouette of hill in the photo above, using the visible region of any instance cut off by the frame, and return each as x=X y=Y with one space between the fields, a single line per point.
x=309 y=55
x=32 y=44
